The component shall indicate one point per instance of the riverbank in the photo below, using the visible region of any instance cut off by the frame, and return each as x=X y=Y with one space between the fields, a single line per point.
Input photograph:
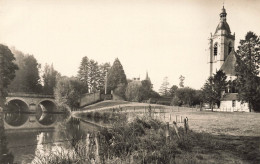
x=217 y=123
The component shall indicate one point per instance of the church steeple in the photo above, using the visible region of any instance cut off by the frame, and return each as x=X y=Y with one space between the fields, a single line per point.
x=147 y=77
x=223 y=14
x=221 y=43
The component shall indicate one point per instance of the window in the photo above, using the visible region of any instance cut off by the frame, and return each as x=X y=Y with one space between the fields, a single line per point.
x=233 y=103
x=215 y=51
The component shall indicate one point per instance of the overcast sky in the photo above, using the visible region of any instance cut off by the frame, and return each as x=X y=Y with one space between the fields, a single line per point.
x=163 y=37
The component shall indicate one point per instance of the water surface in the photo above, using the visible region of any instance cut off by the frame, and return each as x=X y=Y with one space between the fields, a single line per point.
x=29 y=136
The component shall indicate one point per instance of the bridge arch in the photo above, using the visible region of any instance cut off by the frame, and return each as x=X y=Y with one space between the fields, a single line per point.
x=17 y=105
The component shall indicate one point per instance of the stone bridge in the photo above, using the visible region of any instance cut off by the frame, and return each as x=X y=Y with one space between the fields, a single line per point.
x=24 y=102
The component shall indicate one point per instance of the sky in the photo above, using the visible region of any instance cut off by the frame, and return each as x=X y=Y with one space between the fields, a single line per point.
x=163 y=37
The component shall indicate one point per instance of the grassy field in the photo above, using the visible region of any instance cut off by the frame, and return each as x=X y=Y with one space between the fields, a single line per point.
x=222 y=137
x=224 y=123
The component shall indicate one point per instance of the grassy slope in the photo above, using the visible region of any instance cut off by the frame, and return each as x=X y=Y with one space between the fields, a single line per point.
x=109 y=104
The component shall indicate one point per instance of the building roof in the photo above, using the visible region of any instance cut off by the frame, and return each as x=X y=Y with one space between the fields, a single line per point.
x=229 y=97
x=230 y=63
x=223 y=25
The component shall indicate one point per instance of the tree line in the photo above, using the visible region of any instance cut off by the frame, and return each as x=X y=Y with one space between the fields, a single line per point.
x=21 y=73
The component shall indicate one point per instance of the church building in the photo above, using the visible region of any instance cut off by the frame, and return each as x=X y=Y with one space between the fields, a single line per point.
x=223 y=57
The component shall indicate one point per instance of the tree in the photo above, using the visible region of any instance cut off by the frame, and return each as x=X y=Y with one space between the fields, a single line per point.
x=68 y=91
x=7 y=74
x=7 y=71
x=247 y=69
x=83 y=73
x=134 y=91
x=116 y=78
x=185 y=96
x=49 y=76
x=181 y=84
x=214 y=87
x=104 y=68
x=164 y=89
x=147 y=89
x=93 y=76
x=173 y=90
x=27 y=78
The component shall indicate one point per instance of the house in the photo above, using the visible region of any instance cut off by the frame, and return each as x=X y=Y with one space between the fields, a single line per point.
x=230 y=103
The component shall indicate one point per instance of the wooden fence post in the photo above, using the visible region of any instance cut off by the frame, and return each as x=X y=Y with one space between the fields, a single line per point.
x=167 y=135
x=176 y=129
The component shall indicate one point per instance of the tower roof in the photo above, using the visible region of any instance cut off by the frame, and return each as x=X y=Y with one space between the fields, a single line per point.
x=230 y=63
x=223 y=25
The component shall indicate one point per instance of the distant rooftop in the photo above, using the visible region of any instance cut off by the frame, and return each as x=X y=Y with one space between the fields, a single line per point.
x=230 y=96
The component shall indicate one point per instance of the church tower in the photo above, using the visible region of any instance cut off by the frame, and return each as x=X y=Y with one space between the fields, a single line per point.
x=221 y=44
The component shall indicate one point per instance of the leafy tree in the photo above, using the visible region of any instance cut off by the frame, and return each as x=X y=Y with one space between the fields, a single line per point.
x=68 y=91
x=154 y=94
x=181 y=84
x=185 y=96
x=7 y=71
x=134 y=91
x=7 y=74
x=116 y=78
x=50 y=76
x=27 y=78
x=147 y=89
x=213 y=87
x=164 y=89
x=173 y=90
x=83 y=73
x=247 y=69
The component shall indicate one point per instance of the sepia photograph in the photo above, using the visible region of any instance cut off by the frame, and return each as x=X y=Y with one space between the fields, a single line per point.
x=129 y=81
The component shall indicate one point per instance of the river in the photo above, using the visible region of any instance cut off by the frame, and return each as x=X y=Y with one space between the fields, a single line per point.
x=32 y=136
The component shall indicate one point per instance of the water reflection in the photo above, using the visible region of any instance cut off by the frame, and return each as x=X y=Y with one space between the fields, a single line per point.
x=46 y=118
x=15 y=119
x=5 y=155
x=30 y=143
x=23 y=120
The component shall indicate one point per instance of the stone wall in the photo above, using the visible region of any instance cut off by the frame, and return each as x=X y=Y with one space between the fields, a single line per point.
x=89 y=98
